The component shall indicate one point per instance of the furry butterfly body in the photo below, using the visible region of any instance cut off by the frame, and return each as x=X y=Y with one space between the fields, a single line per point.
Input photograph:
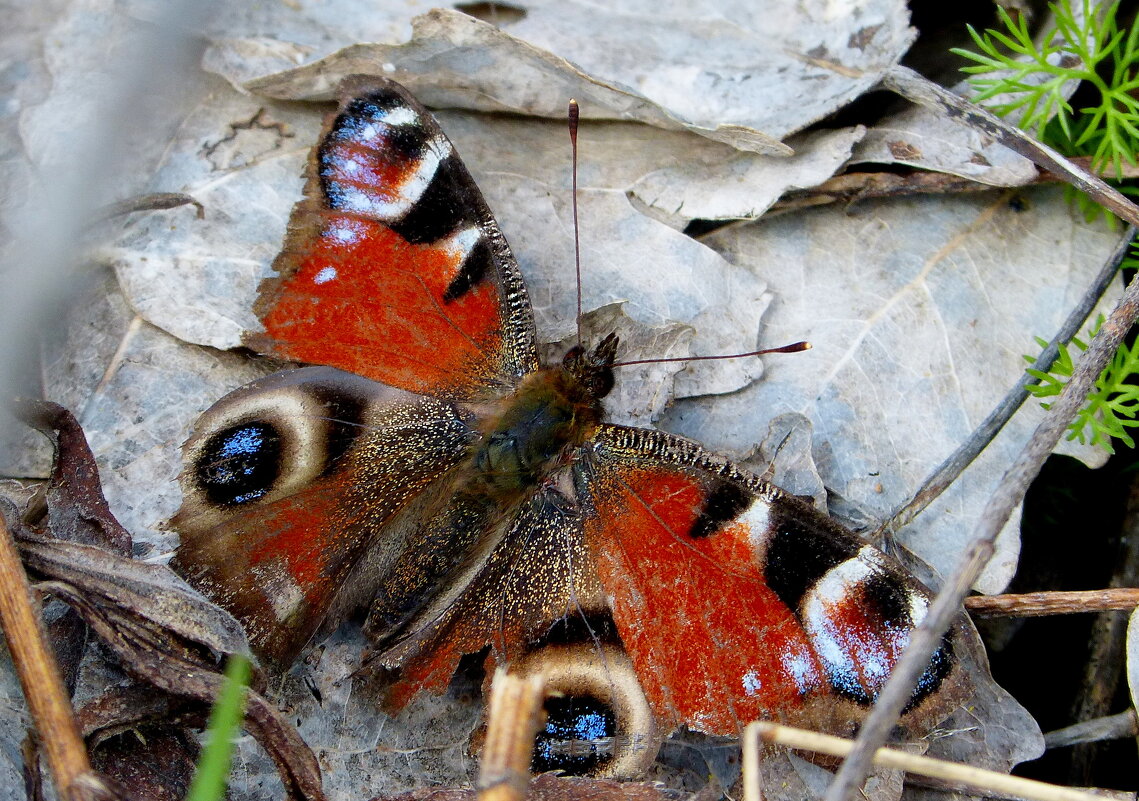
x=475 y=501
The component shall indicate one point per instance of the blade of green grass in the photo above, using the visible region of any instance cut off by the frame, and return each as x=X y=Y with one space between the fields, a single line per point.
x=225 y=718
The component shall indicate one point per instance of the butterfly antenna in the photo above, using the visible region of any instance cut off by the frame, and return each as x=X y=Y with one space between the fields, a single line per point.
x=574 y=116
x=794 y=347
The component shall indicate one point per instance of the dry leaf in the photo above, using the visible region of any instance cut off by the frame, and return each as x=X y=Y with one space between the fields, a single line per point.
x=918 y=137
x=919 y=311
x=748 y=76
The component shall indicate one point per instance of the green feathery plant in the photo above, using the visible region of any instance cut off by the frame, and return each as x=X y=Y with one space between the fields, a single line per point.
x=1112 y=408
x=1030 y=80
x=1014 y=75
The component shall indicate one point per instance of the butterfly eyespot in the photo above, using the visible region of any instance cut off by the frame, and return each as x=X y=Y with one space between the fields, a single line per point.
x=598 y=722
x=265 y=441
x=243 y=463
x=578 y=737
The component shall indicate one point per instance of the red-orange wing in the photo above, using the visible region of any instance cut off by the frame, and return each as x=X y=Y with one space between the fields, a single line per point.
x=737 y=602
x=394 y=267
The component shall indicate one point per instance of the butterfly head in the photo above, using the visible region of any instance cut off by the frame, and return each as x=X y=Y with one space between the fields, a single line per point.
x=593 y=370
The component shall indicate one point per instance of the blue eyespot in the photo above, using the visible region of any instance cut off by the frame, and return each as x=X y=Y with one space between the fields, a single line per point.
x=577 y=737
x=240 y=464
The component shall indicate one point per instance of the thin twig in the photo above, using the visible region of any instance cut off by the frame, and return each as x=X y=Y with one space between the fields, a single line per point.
x=1040 y=604
x=753 y=791
x=922 y=91
x=513 y=718
x=988 y=781
x=154 y=201
x=853 y=187
x=1110 y=727
x=947 y=605
x=39 y=675
x=947 y=472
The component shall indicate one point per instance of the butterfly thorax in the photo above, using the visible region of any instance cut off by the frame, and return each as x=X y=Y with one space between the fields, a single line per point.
x=552 y=411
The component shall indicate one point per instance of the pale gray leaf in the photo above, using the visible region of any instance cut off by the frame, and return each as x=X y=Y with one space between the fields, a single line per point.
x=745 y=76
x=919 y=311
x=918 y=137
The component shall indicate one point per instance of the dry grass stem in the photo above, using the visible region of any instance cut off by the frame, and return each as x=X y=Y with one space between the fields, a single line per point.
x=1039 y=604
x=39 y=675
x=1110 y=727
x=987 y=781
x=514 y=716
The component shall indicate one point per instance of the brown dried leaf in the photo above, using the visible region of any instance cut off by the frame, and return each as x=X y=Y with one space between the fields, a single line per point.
x=76 y=506
x=162 y=631
x=158 y=627
x=146 y=607
x=157 y=764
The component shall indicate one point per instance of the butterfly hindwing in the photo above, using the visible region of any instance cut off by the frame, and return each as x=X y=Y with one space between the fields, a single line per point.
x=740 y=601
x=289 y=483
x=529 y=573
x=393 y=267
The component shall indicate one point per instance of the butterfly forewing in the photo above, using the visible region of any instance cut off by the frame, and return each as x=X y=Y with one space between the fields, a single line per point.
x=740 y=601
x=393 y=267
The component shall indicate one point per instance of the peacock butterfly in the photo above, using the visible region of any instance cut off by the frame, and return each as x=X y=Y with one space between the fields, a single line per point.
x=475 y=501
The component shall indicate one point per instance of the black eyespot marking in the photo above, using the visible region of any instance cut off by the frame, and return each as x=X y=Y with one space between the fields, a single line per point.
x=474 y=270
x=442 y=209
x=798 y=556
x=940 y=666
x=372 y=106
x=239 y=464
x=889 y=599
x=725 y=503
x=570 y=741
x=355 y=124
x=846 y=684
x=345 y=415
